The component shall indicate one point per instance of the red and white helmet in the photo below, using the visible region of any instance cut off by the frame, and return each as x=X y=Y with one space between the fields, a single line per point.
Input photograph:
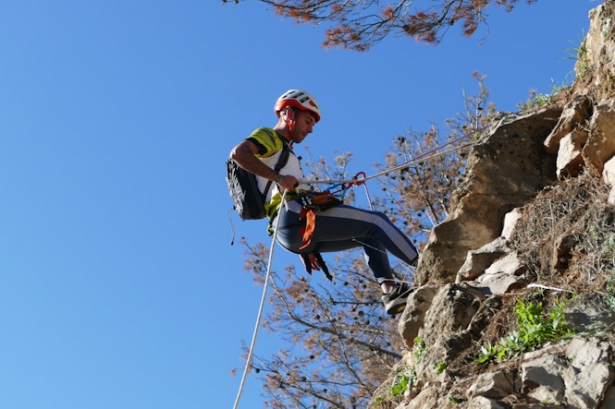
x=298 y=99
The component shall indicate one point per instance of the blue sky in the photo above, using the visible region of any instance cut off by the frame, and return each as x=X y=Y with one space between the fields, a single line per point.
x=119 y=287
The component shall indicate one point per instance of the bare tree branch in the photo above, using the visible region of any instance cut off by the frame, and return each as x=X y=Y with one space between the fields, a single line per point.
x=359 y=24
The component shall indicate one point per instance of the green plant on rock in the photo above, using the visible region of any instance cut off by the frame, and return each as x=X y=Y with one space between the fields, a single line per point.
x=537 y=100
x=403 y=381
x=580 y=56
x=487 y=353
x=419 y=349
x=535 y=328
x=609 y=296
x=608 y=249
x=454 y=399
x=606 y=29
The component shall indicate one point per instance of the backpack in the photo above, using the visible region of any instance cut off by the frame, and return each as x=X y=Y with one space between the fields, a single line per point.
x=248 y=201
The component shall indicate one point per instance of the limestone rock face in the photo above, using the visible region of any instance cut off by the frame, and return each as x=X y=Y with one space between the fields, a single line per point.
x=505 y=170
x=600 y=146
x=600 y=47
x=575 y=114
x=469 y=274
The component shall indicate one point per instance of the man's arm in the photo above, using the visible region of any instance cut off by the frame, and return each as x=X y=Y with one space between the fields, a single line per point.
x=244 y=154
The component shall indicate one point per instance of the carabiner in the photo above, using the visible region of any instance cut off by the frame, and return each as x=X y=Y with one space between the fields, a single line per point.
x=359 y=182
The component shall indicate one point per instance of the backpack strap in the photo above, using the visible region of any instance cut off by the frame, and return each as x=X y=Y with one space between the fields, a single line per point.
x=282 y=161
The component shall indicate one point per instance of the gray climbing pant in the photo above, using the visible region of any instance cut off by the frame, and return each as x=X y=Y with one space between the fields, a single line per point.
x=345 y=227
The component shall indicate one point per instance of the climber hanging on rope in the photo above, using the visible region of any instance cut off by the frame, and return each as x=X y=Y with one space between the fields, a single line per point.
x=310 y=224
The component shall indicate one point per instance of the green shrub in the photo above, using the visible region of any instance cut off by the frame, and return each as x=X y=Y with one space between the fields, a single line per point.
x=403 y=381
x=419 y=349
x=535 y=328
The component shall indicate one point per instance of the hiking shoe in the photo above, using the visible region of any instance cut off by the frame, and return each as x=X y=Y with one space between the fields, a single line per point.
x=395 y=301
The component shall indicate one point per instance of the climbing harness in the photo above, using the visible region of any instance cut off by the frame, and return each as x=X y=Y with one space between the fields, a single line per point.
x=334 y=194
x=321 y=201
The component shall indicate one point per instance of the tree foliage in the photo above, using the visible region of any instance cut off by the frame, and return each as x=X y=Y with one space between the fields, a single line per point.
x=358 y=24
x=339 y=345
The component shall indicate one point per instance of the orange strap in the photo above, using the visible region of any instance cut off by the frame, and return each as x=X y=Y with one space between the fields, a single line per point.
x=310 y=224
x=321 y=201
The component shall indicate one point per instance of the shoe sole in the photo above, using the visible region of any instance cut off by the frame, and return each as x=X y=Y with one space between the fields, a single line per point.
x=395 y=309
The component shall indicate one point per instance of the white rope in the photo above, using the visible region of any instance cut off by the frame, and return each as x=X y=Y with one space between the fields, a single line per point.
x=369 y=199
x=260 y=310
x=546 y=287
x=417 y=160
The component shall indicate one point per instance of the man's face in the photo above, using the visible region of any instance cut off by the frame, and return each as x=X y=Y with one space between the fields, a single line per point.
x=303 y=125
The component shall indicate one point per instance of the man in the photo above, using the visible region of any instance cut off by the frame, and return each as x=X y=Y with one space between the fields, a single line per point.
x=338 y=228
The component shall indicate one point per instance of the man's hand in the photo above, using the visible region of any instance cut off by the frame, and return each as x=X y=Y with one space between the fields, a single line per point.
x=288 y=182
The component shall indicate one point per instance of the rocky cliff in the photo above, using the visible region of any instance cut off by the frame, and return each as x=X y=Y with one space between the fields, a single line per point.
x=514 y=305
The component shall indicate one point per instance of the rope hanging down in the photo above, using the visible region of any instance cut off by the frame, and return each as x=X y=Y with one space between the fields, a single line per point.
x=260 y=311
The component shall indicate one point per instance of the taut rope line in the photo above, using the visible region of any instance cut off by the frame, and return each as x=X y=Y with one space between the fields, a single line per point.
x=419 y=159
